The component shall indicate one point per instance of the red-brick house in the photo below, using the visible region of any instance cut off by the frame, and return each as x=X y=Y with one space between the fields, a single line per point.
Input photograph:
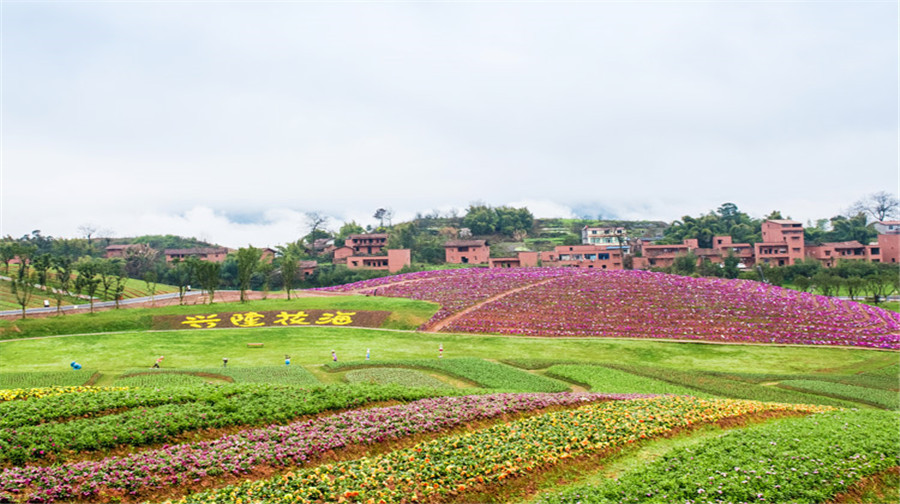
x=522 y=260
x=602 y=257
x=212 y=254
x=394 y=261
x=467 y=252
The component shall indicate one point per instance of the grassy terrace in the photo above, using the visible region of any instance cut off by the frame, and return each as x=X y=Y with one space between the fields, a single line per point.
x=407 y=314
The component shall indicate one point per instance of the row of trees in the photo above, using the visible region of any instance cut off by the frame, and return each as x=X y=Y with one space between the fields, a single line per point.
x=855 y=224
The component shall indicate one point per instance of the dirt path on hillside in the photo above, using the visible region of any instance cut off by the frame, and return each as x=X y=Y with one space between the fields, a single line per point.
x=443 y=323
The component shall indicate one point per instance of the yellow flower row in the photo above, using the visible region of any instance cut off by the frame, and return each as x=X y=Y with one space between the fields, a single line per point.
x=37 y=393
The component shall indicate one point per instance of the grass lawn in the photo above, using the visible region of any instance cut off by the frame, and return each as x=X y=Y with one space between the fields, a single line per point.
x=405 y=314
x=112 y=354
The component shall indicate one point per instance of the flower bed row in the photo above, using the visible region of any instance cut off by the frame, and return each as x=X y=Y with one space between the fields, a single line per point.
x=723 y=387
x=405 y=377
x=45 y=379
x=807 y=460
x=655 y=305
x=487 y=374
x=885 y=399
x=273 y=375
x=41 y=392
x=280 y=446
x=448 y=466
x=603 y=379
x=50 y=404
x=142 y=426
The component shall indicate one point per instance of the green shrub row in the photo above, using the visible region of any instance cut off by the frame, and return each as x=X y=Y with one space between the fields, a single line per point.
x=90 y=404
x=607 y=380
x=275 y=375
x=724 y=387
x=486 y=374
x=881 y=398
x=37 y=379
x=404 y=377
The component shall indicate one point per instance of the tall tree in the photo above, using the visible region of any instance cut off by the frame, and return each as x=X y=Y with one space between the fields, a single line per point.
x=182 y=274
x=316 y=222
x=150 y=280
x=88 y=280
x=880 y=206
x=247 y=261
x=288 y=267
x=23 y=286
x=41 y=265
x=9 y=249
x=208 y=274
x=64 y=268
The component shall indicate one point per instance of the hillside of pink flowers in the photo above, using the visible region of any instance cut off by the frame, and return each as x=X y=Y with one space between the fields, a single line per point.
x=637 y=304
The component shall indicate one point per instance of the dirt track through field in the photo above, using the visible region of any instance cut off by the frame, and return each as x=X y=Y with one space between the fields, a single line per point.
x=443 y=323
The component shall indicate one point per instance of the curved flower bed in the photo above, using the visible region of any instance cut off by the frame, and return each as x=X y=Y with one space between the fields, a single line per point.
x=287 y=445
x=639 y=304
x=444 y=467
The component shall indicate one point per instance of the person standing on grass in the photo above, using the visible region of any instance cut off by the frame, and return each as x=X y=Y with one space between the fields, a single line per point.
x=333 y=356
x=158 y=362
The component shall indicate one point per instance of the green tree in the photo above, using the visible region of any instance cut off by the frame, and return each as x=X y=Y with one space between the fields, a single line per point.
x=827 y=283
x=288 y=267
x=41 y=265
x=403 y=236
x=88 y=280
x=150 y=280
x=685 y=264
x=264 y=272
x=182 y=274
x=208 y=274
x=851 y=229
x=730 y=265
x=64 y=267
x=247 y=263
x=9 y=249
x=881 y=285
x=23 y=286
x=480 y=219
x=347 y=229
x=119 y=283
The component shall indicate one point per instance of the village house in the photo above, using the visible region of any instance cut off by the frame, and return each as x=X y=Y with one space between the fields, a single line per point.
x=522 y=260
x=602 y=257
x=394 y=261
x=782 y=243
x=121 y=251
x=467 y=252
x=211 y=254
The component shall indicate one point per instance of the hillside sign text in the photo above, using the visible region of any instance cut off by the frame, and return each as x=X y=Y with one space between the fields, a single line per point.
x=239 y=320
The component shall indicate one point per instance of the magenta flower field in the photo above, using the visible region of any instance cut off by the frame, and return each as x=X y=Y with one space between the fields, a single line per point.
x=637 y=304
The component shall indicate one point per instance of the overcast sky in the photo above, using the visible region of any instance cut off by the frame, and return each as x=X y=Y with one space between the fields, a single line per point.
x=227 y=121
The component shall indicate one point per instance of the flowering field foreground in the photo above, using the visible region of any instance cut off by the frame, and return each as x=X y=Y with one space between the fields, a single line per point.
x=637 y=304
x=807 y=460
x=141 y=474
x=33 y=430
x=453 y=465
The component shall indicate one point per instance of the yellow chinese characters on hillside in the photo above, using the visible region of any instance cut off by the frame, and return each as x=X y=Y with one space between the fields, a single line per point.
x=284 y=318
x=201 y=321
